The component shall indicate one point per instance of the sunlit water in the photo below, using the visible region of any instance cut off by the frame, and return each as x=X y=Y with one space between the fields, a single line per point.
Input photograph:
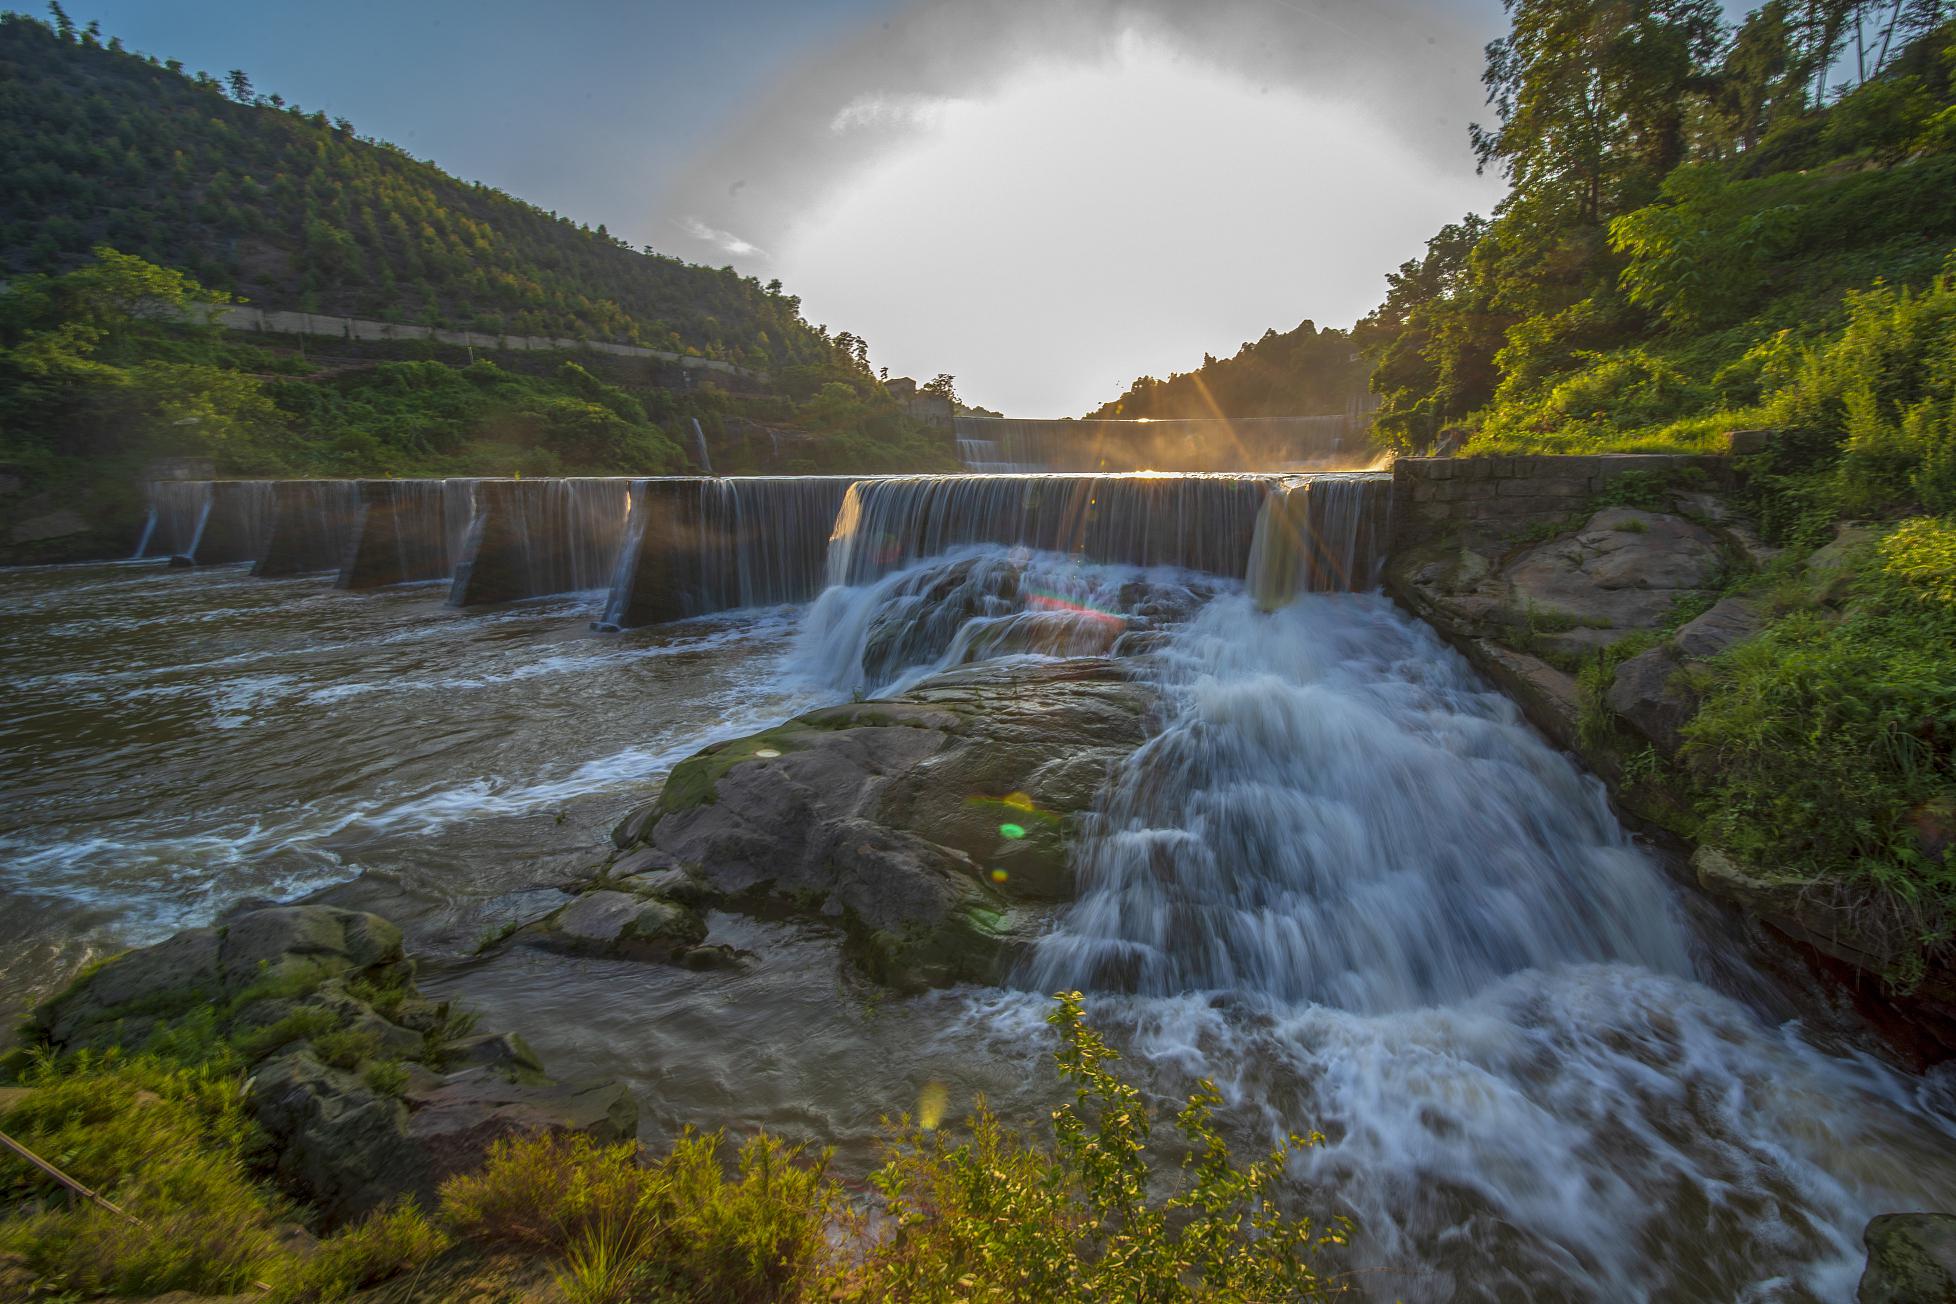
x=1344 y=880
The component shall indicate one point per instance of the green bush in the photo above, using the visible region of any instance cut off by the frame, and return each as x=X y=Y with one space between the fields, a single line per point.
x=1817 y=740
x=166 y=1144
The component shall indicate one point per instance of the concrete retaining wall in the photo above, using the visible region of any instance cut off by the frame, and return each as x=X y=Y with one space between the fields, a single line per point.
x=1437 y=496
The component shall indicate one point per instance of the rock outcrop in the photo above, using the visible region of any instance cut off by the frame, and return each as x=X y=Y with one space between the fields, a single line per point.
x=367 y=1091
x=1585 y=629
x=1530 y=612
x=930 y=826
x=1911 y=1260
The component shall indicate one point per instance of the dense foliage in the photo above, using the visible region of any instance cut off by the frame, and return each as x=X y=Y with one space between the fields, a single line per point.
x=163 y=1133
x=1691 y=213
x=260 y=199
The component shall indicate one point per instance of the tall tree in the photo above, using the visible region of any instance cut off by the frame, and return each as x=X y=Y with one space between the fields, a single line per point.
x=1592 y=98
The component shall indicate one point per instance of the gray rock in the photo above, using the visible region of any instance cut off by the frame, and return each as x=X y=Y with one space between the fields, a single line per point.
x=451 y=1125
x=1624 y=569
x=1730 y=622
x=916 y=821
x=631 y=830
x=1548 y=696
x=504 y=1052
x=622 y=924
x=1911 y=1260
x=1649 y=692
x=638 y=861
x=351 y=1150
x=338 y=1140
x=170 y=977
x=293 y=942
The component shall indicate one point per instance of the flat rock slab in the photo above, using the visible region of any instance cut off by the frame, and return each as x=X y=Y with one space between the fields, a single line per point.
x=1624 y=569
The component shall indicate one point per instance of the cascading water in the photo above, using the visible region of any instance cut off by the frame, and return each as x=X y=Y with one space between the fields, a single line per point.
x=178 y=509
x=208 y=521
x=701 y=545
x=457 y=512
x=1346 y=880
x=312 y=524
x=1200 y=522
x=1318 y=534
x=980 y=603
x=699 y=448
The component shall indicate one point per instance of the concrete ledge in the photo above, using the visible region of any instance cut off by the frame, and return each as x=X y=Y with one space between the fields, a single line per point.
x=1437 y=496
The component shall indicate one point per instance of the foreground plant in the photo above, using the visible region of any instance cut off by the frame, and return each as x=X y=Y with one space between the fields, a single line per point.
x=995 y=1217
x=986 y=1215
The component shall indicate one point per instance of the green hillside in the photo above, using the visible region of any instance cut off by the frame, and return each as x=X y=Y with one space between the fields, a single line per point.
x=1300 y=372
x=137 y=193
x=287 y=209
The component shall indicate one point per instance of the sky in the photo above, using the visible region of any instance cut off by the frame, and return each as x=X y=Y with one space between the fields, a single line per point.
x=1045 y=198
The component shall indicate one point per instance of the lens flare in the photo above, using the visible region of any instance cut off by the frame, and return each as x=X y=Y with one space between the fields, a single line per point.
x=1013 y=831
x=931 y=1100
x=766 y=753
x=1041 y=600
x=999 y=876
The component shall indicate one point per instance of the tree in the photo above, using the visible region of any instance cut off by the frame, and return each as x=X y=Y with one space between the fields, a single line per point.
x=64 y=26
x=944 y=385
x=240 y=85
x=1592 y=98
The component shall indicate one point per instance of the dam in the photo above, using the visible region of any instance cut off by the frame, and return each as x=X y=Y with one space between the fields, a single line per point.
x=674 y=547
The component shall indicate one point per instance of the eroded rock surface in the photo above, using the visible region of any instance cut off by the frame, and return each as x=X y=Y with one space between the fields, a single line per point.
x=927 y=825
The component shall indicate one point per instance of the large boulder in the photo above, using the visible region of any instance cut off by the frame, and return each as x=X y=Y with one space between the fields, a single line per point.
x=1911 y=1260
x=923 y=823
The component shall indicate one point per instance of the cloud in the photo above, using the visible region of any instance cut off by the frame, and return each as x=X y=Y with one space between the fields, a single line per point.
x=723 y=240
x=903 y=111
x=847 y=173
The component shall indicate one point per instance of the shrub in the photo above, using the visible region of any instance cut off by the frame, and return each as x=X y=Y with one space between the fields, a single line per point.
x=1820 y=738
x=163 y=1142
x=364 y=1254
x=996 y=1218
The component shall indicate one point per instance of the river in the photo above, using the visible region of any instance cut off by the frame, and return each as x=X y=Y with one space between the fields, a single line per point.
x=1345 y=880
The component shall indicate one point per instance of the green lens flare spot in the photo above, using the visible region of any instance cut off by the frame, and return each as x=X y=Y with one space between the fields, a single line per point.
x=1013 y=831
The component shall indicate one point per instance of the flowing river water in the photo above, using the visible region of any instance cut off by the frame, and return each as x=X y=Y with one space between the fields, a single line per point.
x=1344 y=880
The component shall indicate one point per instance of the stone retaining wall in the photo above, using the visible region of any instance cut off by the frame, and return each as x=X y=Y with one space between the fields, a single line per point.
x=1437 y=496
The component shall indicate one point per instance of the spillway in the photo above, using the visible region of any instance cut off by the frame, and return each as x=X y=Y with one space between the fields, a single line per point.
x=672 y=547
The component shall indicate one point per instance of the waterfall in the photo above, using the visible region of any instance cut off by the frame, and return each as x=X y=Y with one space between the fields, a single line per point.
x=312 y=524
x=1199 y=522
x=570 y=531
x=1349 y=883
x=699 y=447
x=1264 y=841
x=178 y=509
x=149 y=528
x=1320 y=533
x=457 y=511
x=701 y=545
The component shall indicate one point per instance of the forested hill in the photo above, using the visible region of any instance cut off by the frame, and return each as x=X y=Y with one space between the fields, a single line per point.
x=1300 y=372
x=288 y=209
